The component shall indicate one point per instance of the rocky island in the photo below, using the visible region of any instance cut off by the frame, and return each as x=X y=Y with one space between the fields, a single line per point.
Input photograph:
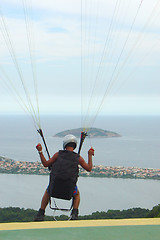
x=92 y=133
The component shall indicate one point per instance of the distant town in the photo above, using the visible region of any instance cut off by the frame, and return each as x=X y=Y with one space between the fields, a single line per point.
x=9 y=166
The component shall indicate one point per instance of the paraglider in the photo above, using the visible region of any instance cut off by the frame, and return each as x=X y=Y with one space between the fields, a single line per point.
x=64 y=176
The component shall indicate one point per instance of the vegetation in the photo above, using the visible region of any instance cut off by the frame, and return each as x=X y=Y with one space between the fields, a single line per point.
x=12 y=214
x=155 y=212
x=117 y=214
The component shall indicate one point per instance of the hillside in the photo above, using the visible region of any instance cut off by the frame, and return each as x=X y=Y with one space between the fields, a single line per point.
x=16 y=214
x=92 y=133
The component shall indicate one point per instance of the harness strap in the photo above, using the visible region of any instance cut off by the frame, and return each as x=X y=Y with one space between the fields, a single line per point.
x=83 y=136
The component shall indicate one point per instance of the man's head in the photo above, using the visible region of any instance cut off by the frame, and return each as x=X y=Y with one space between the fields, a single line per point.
x=69 y=141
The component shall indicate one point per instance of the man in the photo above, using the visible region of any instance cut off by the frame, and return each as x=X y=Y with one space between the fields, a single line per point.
x=60 y=158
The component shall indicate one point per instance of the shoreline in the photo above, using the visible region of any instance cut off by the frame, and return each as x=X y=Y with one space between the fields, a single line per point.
x=9 y=166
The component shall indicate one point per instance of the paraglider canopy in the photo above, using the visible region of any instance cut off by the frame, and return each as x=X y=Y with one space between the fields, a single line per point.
x=100 y=43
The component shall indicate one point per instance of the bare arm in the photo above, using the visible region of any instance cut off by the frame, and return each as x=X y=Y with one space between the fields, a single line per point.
x=46 y=163
x=87 y=166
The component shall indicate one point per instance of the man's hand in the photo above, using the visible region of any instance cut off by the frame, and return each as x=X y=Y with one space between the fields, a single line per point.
x=91 y=151
x=39 y=147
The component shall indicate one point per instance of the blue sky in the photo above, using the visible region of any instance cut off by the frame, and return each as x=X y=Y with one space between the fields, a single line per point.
x=129 y=70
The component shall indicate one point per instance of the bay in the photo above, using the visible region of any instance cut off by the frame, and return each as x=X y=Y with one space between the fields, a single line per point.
x=97 y=194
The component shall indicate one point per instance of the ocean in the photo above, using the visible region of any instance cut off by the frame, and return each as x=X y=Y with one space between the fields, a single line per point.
x=139 y=145
x=97 y=194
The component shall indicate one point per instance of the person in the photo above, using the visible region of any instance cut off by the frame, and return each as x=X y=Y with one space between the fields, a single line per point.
x=69 y=144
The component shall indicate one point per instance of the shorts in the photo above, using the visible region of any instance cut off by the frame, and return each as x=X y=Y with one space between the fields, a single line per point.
x=74 y=192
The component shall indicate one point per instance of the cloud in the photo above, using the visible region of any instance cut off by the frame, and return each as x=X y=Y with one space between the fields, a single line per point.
x=57 y=29
x=56 y=39
x=141 y=105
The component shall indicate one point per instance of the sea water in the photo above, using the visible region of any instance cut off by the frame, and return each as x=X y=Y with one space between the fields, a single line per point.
x=139 y=145
x=97 y=194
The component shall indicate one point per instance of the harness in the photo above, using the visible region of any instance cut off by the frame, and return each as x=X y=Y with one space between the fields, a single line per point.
x=63 y=178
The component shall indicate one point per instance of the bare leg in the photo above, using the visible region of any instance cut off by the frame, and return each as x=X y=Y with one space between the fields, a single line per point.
x=74 y=213
x=76 y=200
x=44 y=203
x=45 y=200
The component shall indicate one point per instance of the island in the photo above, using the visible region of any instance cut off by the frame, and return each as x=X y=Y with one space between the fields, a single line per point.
x=9 y=166
x=92 y=133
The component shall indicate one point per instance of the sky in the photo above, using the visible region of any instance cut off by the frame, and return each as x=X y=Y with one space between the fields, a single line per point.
x=84 y=57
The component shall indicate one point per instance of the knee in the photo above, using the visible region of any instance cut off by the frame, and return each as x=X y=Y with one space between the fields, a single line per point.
x=46 y=195
x=77 y=194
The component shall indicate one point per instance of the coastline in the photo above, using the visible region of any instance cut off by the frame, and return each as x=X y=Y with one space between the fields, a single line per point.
x=9 y=166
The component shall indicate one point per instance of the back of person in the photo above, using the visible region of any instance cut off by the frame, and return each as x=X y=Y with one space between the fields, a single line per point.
x=64 y=175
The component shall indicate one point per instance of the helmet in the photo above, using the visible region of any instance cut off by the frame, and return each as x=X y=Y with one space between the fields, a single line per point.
x=69 y=139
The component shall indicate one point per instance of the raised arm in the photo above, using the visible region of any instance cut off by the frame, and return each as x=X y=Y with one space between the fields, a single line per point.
x=87 y=166
x=46 y=163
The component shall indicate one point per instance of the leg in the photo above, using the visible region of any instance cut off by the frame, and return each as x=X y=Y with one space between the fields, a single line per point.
x=44 y=203
x=76 y=200
x=74 y=213
x=45 y=200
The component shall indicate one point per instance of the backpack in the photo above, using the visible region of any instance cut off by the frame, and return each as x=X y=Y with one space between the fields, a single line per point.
x=64 y=175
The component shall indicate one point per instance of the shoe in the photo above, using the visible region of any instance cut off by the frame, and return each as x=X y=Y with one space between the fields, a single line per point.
x=74 y=214
x=40 y=215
